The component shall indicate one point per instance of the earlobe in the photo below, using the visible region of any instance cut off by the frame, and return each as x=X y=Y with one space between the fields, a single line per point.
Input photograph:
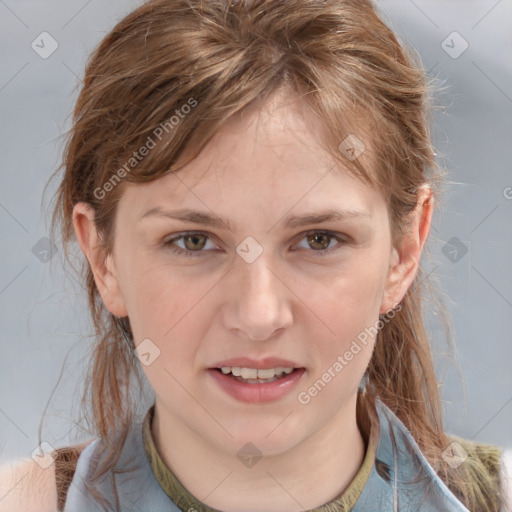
x=405 y=259
x=102 y=265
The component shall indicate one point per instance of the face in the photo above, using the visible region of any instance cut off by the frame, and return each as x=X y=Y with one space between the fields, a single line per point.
x=262 y=286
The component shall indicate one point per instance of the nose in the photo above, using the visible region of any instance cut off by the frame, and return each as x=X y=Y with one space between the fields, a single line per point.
x=260 y=304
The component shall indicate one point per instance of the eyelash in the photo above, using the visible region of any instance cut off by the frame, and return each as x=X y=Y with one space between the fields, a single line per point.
x=185 y=252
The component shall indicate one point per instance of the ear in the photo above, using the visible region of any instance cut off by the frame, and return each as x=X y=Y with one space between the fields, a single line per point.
x=405 y=259
x=102 y=265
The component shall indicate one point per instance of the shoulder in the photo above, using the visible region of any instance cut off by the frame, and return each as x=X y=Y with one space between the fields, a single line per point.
x=26 y=485
x=498 y=461
x=35 y=486
x=506 y=481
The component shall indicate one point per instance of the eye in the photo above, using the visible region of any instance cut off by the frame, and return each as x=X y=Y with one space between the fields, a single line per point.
x=322 y=240
x=194 y=242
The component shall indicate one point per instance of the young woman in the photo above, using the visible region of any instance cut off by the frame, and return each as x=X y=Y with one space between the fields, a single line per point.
x=252 y=185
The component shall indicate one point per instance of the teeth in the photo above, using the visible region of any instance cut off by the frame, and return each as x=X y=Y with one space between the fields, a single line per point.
x=253 y=373
x=249 y=373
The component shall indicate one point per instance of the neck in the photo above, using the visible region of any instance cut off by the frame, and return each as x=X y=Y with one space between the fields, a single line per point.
x=313 y=472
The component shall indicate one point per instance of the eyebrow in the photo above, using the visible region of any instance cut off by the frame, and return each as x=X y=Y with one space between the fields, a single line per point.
x=213 y=220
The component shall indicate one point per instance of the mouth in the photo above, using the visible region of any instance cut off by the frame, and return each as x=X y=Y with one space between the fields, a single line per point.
x=256 y=385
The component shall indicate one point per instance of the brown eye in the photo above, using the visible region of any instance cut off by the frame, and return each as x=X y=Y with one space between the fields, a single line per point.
x=319 y=240
x=192 y=244
x=194 y=241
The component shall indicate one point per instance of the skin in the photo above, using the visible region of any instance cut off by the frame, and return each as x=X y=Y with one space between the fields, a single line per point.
x=290 y=303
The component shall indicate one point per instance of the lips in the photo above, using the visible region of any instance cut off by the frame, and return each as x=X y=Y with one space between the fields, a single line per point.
x=252 y=391
x=260 y=364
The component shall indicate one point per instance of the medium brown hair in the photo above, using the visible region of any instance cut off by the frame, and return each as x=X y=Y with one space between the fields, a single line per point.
x=225 y=55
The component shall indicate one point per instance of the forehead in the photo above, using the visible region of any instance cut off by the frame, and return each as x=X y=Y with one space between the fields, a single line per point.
x=269 y=157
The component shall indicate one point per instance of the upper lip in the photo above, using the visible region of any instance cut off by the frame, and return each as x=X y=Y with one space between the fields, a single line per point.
x=262 y=364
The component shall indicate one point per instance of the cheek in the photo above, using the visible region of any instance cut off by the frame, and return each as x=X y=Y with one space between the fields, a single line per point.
x=163 y=307
x=173 y=309
x=349 y=312
x=349 y=309
x=350 y=298
x=155 y=297
x=166 y=310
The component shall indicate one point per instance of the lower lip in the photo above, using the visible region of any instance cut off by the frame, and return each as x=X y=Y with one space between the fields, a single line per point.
x=257 y=393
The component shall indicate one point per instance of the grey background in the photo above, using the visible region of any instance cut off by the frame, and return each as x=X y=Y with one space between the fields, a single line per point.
x=43 y=315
